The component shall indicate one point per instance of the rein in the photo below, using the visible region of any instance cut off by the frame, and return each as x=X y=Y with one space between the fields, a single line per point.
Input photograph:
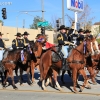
x=84 y=52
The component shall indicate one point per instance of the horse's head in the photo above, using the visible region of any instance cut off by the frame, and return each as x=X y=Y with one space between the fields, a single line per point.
x=41 y=38
x=91 y=46
x=23 y=56
x=94 y=44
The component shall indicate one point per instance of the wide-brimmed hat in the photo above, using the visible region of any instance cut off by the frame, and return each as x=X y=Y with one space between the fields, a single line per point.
x=18 y=34
x=1 y=33
x=80 y=30
x=87 y=31
x=63 y=27
x=25 y=33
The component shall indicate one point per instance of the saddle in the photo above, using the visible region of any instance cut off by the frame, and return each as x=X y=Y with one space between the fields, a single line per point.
x=57 y=55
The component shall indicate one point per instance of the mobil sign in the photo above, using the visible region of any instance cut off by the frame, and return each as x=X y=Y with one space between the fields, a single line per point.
x=75 y=5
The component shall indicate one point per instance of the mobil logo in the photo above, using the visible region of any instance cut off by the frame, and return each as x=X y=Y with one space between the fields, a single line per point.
x=77 y=4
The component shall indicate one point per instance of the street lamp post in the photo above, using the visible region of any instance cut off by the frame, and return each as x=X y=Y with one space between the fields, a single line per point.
x=17 y=21
x=42 y=6
x=63 y=18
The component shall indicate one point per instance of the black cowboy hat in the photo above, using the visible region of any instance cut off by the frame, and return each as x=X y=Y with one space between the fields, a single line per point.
x=25 y=33
x=1 y=33
x=87 y=31
x=63 y=27
x=80 y=30
x=18 y=34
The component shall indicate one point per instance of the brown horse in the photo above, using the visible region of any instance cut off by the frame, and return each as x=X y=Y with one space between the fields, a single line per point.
x=10 y=62
x=40 y=42
x=91 y=61
x=76 y=64
x=92 y=64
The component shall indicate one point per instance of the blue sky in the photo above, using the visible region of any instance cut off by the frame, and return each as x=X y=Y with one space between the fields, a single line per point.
x=53 y=10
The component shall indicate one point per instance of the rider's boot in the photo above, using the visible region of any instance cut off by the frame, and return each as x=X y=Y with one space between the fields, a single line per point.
x=64 y=64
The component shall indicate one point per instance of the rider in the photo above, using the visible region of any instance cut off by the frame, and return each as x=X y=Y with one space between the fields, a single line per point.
x=2 y=47
x=18 y=42
x=25 y=38
x=64 y=43
x=81 y=36
x=88 y=33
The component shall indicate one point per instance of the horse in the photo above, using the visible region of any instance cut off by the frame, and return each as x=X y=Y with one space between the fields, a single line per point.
x=9 y=64
x=91 y=61
x=36 y=51
x=39 y=44
x=75 y=65
x=26 y=67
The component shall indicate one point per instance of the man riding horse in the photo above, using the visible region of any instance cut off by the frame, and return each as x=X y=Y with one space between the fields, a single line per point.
x=64 y=43
x=18 y=42
x=2 y=47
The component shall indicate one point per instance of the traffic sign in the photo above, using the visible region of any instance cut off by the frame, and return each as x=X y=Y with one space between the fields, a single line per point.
x=42 y=23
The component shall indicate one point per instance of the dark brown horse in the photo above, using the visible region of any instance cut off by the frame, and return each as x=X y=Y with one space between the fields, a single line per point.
x=10 y=62
x=76 y=61
x=36 y=51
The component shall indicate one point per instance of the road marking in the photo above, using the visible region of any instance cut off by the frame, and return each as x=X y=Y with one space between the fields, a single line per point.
x=49 y=92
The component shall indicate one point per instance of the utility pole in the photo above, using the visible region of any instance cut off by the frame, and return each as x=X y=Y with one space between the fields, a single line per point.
x=63 y=17
x=42 y=6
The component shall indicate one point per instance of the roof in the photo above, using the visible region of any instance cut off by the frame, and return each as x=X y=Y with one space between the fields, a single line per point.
x=97 y=23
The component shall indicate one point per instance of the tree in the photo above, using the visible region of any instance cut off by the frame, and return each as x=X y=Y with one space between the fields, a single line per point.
x=39 y=19
x=1 y=22
x=84 y=18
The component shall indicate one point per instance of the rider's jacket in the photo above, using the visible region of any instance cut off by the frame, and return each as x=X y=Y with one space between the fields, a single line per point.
x=61 y=38
x=25 y=41
x=17 y=43
x=90 y=36
x=80 y=39
x=2 y=44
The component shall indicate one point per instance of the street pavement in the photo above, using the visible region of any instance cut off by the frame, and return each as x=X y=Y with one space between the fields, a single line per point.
x=26 y=91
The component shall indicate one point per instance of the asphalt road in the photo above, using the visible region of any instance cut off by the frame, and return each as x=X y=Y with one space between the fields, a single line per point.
x=27 y=92
x=13 y=95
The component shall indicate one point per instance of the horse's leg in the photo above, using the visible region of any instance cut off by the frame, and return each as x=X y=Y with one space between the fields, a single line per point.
x=92 y=74
x=86 y=83
x=12 y=77
x=32 y=71
x=2 y=79
x=28 y=76
x=62 y=76
x=74 y=78
x=20 y=77
x=6 y=74
x=49 y=77
x=55 y=74
x=16 y=72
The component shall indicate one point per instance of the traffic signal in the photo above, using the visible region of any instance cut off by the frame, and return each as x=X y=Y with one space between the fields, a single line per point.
x=57 y=24
x=4 y=15
x=42 y=30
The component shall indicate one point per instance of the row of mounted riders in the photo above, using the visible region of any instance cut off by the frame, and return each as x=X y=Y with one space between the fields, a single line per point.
x=34 y=56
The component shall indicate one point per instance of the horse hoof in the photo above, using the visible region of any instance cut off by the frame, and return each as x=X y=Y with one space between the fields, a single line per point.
x=94 y=83
x=16 y=88
x=81 y=89
x=89 y=87
x=61 y=90
x=4 y=87
x=33 y=82
x=76 y=92
x=22 y=84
